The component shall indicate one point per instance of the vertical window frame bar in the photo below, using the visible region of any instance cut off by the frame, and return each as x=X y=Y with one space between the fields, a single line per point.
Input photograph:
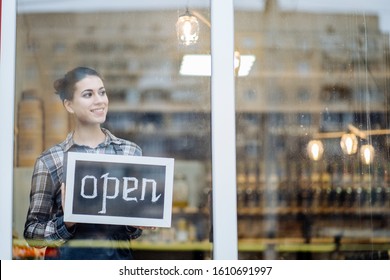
x=7 y=82
x=224 y=191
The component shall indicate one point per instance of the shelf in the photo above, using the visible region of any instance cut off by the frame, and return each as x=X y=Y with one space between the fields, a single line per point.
x=280 y=245
x=292 y=211
x=159 y=133
x=159 y=107
x=314 y=211
x=286 y=245
x=189 y=211
x=242 y=107
x=171 y=246
x=318 y=245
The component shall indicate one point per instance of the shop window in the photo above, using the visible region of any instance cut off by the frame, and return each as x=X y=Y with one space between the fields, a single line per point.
x=300 y=165
x=166 y=114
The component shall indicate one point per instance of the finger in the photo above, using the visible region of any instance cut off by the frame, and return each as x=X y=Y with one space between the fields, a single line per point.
x=152 y=228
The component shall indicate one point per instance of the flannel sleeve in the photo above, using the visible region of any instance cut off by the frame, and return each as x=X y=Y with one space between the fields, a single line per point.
x=44 y=224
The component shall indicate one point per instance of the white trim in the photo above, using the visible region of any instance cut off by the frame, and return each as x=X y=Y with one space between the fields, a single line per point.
x=223 y=130
x=128 y=163
x=34 y=6
x=7 y=82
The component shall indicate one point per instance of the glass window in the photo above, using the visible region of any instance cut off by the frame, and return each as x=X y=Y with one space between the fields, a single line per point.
x=151 y=103
x=319 y=74
x=312 y=137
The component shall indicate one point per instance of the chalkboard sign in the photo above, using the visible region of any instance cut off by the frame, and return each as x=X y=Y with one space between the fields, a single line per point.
x=118 y=189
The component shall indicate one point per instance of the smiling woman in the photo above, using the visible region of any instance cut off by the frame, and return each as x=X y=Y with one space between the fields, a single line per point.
x=84 y=96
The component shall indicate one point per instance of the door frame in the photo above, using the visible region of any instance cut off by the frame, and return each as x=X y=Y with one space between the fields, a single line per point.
x=7 y=82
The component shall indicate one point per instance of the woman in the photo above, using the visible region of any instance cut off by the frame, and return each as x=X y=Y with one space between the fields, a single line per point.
x=84 y=96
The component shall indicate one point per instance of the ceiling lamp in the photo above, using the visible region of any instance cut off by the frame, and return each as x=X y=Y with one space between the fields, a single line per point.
x=315 y=150
x=367 y=154
x=349 y=143
x=187 y=29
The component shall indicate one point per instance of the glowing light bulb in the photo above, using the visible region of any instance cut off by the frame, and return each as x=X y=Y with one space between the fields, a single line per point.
x=367 y=154
x=349 y=143
x=315 y=149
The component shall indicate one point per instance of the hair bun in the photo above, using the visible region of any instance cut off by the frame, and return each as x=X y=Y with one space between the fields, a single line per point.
x=58 y=84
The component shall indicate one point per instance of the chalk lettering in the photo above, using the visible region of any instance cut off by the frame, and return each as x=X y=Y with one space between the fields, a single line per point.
x=154 y=184
x=127 y=190
x=82 y=191
x=105 y=196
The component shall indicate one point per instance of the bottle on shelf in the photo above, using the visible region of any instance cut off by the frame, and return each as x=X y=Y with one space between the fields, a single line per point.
x=251 y=199
x=180 y=191
x=325 y=187
x=241 y=183
x=182 y=230
x=315 y=185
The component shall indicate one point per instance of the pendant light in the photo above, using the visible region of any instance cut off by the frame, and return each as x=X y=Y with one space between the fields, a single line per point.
x=187 y=29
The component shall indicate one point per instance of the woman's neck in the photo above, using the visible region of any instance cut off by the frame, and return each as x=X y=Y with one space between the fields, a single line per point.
x=89 y=136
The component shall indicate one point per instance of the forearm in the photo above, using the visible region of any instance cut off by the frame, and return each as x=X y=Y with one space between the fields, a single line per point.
x=44 y=224
x=52 y=233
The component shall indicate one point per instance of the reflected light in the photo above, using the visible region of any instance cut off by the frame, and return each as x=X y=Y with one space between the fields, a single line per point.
x=367 y=154
x=200 y=64
x=237 y=61
x=315 y=149
x=349 y=143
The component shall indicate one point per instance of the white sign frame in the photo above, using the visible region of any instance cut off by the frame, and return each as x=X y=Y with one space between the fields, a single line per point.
x=73 y=157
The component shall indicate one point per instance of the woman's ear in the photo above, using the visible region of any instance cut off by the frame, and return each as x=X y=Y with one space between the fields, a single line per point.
x=68 y=106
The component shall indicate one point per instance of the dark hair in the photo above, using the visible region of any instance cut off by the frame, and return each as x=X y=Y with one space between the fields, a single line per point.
x=65 y=86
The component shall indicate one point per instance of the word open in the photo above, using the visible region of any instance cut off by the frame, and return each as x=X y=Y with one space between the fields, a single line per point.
x=130 y=184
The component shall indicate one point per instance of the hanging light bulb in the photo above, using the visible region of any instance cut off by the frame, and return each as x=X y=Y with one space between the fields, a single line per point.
x=315 y=149
x=349 y=143
x=187 y=29
x=367 y=154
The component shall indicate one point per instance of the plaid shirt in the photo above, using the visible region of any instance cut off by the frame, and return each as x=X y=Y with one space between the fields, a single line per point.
x=44 y=225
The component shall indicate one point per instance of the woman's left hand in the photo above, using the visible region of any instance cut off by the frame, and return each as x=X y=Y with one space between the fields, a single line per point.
x=143 y=228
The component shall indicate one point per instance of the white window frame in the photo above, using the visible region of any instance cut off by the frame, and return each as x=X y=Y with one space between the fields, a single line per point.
x=7 y=82
x=223 y=131
x=223 y=128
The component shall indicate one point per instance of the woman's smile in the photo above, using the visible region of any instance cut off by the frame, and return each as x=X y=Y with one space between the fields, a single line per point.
x=98 y=111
